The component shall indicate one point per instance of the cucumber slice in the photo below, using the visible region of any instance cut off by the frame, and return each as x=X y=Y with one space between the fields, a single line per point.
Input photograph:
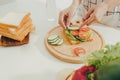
x=54 y=40
x=61 y=42
x=80 y=39
x=73 y=28
x=55 y=43
x=52 y=37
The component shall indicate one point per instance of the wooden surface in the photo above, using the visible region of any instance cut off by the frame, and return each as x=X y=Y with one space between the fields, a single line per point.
x=7 y=42
x=65 y=51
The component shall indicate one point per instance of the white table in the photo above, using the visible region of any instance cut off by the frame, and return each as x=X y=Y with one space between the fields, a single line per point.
x=33 y=61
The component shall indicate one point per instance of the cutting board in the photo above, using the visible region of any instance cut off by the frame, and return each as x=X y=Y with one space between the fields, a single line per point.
x=65 y=53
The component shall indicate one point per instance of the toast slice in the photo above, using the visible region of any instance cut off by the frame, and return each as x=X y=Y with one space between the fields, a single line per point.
x=14 y=20
x=6 y=42
x=18 y=30
x=73 y=42
x=19 y=37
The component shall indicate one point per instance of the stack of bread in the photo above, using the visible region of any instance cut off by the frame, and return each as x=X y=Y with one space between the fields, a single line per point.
x=15 y=29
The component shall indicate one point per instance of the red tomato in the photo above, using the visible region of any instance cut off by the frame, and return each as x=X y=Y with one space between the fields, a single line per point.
x=74 y=33
x=81 y=34
x=84 y=33
x=79 y=50
x=84 y=29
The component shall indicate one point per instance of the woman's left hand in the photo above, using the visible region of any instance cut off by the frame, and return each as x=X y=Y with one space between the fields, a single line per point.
x=95 y=14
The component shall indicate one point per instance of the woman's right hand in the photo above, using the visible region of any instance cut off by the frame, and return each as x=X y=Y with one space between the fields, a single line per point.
x=95 y=14
x=66 y=15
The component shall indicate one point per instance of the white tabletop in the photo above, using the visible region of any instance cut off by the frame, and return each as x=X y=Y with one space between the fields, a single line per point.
x=33 y=61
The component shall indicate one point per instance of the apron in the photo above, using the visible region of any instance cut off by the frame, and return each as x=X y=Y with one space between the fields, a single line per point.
x=112 y=17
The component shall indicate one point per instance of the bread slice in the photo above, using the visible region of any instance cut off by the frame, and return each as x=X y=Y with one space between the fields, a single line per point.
x=20 y=33
x=20 y=36
x=14 y=20
x=8 y=29
x=73 y=42
x=27 y=21
x=22 y=28
x=25 y=32
x=18 y=30
x=6 y=42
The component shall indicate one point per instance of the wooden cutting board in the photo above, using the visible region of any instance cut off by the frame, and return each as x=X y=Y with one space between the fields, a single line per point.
x=64 y=52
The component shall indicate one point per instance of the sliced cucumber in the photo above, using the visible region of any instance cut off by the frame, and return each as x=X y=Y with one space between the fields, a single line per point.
x=55 y=43
x=69 y=35
x=58 y=42
x=80 y=39
x=73 y=28
x=54 y=40
x=61 y=42
x=52 y=37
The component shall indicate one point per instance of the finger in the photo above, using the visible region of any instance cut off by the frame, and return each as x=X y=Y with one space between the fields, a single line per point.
x=68 y=20
x=83 y=24
x=61 y=21
x=65 y=20
x=88 y=21
x=90 y=11
x=91 y=22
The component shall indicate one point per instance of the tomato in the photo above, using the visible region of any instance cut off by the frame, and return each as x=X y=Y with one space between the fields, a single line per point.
x=79 y=50
x=84 y=33
x=84 y=29
x=74 y=32
x=81 y=34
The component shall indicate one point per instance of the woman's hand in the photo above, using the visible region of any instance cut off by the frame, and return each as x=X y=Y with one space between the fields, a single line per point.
x=95 y=14
x=66 y=15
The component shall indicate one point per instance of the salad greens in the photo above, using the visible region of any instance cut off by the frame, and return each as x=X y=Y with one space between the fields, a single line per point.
x=110 y=71
x=104 y=56
x=101 y=65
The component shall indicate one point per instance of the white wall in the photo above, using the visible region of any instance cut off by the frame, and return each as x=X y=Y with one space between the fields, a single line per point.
x=61 y=4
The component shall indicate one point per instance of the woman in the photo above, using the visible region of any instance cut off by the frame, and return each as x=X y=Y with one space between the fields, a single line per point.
x=94 y=14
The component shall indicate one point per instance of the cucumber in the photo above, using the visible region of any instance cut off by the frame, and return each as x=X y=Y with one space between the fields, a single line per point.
x=73 y=28
x=58 y=42
x=52 y=37
x=54 y=40
x=69 y=35
x=61 y=42
x=80 y=39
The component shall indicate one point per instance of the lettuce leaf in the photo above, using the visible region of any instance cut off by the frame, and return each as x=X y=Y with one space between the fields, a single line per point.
x=104 y=56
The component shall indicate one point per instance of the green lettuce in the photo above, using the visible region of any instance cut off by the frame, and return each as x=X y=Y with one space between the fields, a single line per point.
x=104 y=56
